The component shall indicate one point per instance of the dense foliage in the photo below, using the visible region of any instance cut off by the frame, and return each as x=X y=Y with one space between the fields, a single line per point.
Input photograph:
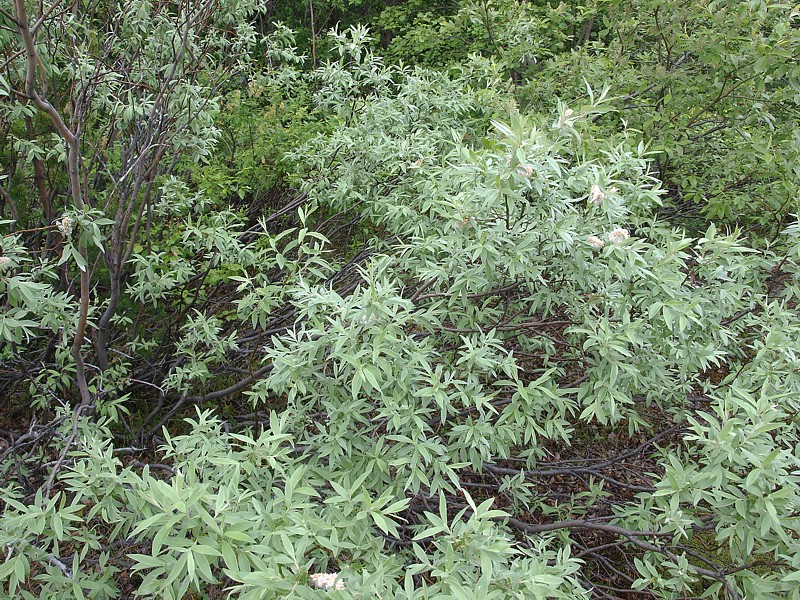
x=500 y=303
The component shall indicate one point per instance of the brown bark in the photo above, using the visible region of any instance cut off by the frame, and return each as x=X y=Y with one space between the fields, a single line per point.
x=73 y=167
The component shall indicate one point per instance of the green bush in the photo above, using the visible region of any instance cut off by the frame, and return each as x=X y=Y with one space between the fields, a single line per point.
x=467 y=360
x=712 y=87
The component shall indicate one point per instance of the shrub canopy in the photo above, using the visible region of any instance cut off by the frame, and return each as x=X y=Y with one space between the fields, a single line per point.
x=268 y=316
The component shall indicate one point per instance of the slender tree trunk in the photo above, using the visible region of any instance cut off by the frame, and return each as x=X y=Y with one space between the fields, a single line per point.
x=73 y=167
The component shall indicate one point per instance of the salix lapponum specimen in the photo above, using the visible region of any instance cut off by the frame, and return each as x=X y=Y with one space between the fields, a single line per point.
x=392 y=369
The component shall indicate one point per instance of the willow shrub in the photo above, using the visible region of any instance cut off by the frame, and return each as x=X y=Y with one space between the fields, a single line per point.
x=711 y=86
x=511 y=291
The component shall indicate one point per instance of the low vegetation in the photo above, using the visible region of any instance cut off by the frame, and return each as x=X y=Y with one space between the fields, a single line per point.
x=495 y=299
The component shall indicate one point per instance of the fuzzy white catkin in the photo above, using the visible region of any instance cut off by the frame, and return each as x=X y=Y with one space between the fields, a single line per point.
x=596 y=195
x=326 y=581
x=65 y=226
x=618 y=236
x=595 y=242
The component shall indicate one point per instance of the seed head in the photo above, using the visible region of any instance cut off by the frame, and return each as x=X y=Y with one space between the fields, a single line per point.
x=596 y=195
x=65 y=226
x=618 y=236
x=326 y=581
x=595 y=242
